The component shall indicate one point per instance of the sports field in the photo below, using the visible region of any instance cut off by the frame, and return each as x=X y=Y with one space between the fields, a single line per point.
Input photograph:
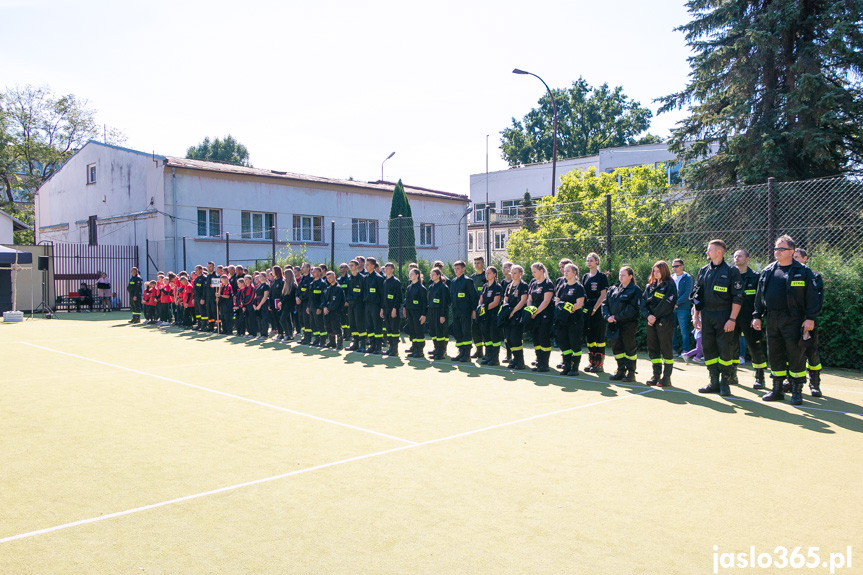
x=133 y=449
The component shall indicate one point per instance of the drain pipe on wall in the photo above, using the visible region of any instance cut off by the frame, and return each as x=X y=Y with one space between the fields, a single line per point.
x=174 y=192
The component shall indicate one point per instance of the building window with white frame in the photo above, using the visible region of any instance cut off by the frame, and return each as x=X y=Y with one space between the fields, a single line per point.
x=426 y=235
x=257 y=225
x=480 y=241
x=364 y=231
x=470 y=241
x=499 y=240
x=479 y=211
x=510 y=207
x=209 y=223
x=91 y=173
x=308 y=228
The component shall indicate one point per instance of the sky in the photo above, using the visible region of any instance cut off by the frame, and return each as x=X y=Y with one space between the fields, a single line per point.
x=332 y=88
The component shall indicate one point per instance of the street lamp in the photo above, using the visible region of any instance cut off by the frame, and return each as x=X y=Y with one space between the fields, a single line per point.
x=554 y=134
x=382 y=165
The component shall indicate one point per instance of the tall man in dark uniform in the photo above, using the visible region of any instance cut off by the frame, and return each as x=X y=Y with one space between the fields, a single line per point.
x=200 y=298
x=478 y=279
x=356 y=310
x=135 y=294
x=754 y=339
x=343 y=313
x=788 y=303
x=305 y=320
x=718 y=297
x=210 y=295
x=373 y=293
x=464 y=299
x=813 y=358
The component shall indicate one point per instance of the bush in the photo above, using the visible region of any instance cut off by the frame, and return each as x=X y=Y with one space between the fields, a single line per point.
x=840 y=323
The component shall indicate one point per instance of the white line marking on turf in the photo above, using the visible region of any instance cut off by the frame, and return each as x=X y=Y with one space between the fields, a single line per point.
x=225 y=394
x=306 y=470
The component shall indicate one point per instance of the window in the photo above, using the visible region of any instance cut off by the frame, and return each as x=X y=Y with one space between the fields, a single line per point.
x=209 y=223
x=257 y=226
x=364 y=231
x=500 y=240
x=470 y=241
x=308 y=229
x=479 y=211
x=426 y=235
x=91 y=173
x=510 y=207
x=480 y=241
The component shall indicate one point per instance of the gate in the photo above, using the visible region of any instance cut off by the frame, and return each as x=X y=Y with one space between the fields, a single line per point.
x=74 y=264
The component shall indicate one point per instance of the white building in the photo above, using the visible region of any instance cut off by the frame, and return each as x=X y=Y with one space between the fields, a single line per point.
x=506 y=190
x=227 y=213
x=8 y=227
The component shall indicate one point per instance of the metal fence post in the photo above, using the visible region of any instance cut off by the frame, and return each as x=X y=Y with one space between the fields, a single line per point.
x=184 y=253
x=147 y=271
x=400 y=244
x=332 y=243
x=227 y=248
x=608 y=230
x=273 y=231
x=488 y=231
x=771 y=222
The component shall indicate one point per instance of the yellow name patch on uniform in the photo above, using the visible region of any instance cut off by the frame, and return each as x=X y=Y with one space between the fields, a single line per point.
x=798 y=283
x=751 y=292
x=317 y=291
x=390 y=296
x=435 y=300
x=658 y=295
x=720 y=289
x=417 y=302
x=372 y=290
x=357 y=290
x=461 y=294
x=568 y=306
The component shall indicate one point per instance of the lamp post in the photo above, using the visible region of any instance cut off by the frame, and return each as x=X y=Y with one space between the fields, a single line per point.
x=382 y=166
x=554 y=133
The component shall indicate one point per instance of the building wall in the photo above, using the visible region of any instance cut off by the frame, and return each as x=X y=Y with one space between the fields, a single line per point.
x=6 y=229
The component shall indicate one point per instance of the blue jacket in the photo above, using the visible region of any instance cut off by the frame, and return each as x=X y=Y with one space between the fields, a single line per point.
x=683 y=290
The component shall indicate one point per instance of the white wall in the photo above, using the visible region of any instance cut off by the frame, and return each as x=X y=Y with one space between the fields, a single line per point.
x=6 y=229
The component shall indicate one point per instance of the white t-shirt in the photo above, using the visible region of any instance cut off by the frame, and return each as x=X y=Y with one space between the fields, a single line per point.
x=677 y=280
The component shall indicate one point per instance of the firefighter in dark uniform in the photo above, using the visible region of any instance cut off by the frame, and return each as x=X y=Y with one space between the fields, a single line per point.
x=787 y=302
x=487 y=310
x=303 y=317
x=210 y=288
x=620 y=310
x=201 y=280
x=343 y=314
x=316 y=298
x=813 y=358
x=392 y=303
x=754 y=337
x=595 y=288
x=569 y=319
x=464 y=298
x=541 y=308
x=415 y=312
x=438 y=307
x=511 y=316
x=332 y=305
x=718 y=297
x=135 y=289
x=478 y=279
x=373 y=300
x=556 y=308
x=505 y=280
x=657 y=307
x=356 y=310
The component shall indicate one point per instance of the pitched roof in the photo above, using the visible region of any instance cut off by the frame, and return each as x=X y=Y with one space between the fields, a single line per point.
x=189 y=164
x=17 y=225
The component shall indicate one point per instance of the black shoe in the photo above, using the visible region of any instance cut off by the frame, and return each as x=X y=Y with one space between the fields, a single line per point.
x=815 y=383
x=759 y=378
x=713 y=386
x=797 y=391
x=777 y=394
x=478 y=354
x=630 y=371
x=621 y=371
x=657 y=375
x=666 y=376
x=786 y=387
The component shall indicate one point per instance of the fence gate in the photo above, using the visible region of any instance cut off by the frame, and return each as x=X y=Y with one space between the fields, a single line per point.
x=77 y=263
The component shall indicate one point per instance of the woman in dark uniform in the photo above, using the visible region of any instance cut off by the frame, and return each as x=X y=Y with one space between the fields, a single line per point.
x=568 y=301
x=620 y=310
x=541 y=291
x=489 y=306
x=261 y=305
x=415 y=310
x=512 y=319
x=595 y=288
x=657 y=306
x=276 y=285
x=438 y=305
x=288 y=305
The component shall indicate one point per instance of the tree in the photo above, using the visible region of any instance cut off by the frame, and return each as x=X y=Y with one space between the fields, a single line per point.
x=528 y=213
x=227 y=151
x=775 y=91
x=579 y=215
x=588 y=119
x=39 y=132
x=401 y=206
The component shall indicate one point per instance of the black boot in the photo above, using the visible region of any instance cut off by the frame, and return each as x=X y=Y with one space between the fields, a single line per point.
x=797 y=390
x=331 y=342
x=630 y=371
x=441 y=352
x=518 y=359
x=508 y=353
x=621 y=370
x=307 y=338
x=340 y=343
x=591 y=360
x=574 y=361
x=713 y=386
x=815 y=382
x=777 y=394
x=355 y=345
x=759 y=378
x=486 y=356
x=657 y=374
x=376 y=346
x=567 y=364
x=724 y=383
x=394 y=347
x=786 y=386
x=493 y=355
x=666 y=376
x=542 y=358
x=478 y=353
x=600 y=358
